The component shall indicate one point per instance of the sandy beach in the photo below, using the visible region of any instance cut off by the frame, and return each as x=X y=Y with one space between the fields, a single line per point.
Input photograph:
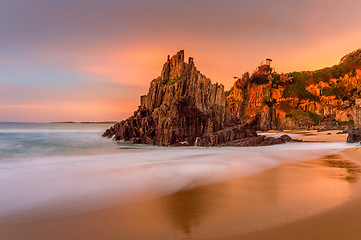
x=318 y=199
x=341 y=222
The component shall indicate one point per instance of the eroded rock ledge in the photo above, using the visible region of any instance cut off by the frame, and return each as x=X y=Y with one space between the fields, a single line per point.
x=183 y=107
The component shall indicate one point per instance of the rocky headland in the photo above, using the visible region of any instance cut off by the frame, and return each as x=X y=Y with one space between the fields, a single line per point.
x=325 y=99
x=183 y=107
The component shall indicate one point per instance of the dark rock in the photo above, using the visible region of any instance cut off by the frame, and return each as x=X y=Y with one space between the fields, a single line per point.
x=286 y=138
x=181 y=105
x=254 y=141
x=329 y=134
x=345 y=131
x=184 y=108
x=354 y=135
x=225 y=135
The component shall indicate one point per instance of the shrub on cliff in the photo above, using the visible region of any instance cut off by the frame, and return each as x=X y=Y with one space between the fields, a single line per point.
x=173 y=81
x=297 y=88
x=227 y=93
x=327 y=91
x=259 y=79
x=314 y=117
x=353 y=57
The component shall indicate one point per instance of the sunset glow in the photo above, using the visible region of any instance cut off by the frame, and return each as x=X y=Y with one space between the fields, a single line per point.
x=91 y=60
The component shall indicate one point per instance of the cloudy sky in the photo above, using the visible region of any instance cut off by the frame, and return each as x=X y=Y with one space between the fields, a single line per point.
x=90 y=60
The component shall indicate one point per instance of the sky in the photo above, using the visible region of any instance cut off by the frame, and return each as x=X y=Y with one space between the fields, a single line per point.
x=91 y=60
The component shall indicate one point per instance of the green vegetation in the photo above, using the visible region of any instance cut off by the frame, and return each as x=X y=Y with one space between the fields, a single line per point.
x=321 y=75
x=300 y=115
x=327 y=91
x=353 y=57
x=341 y=92
x=347 y=123
x=277 y=78
x=314 y=117
x=227 y=93
x=259 y=79
x=297 y=114
x=297 y=88
x=173 y=81
x=355 y=60
x=245 y=117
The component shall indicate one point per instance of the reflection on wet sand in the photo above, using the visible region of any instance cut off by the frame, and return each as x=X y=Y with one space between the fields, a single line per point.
x=185 y=209
x=274 y=197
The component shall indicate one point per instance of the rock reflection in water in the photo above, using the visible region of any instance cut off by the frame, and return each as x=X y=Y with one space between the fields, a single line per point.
x=186 y=208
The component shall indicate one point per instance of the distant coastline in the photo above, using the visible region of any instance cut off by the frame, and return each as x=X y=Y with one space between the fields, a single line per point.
x=104 y=122
x=72 y=122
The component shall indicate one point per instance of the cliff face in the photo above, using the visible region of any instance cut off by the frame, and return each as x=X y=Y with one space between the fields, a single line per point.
x=181 y=105
x=327 y=97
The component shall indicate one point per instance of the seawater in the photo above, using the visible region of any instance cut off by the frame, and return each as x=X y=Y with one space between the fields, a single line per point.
x=65 y=168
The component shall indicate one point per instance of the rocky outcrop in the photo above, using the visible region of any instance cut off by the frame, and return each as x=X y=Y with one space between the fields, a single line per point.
x=354 y=135
x=328 y=98
x=181 y=105
x=240 y=136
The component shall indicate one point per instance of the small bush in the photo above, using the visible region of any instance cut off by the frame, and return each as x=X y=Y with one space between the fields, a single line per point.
x=298 y=87
x=314 y=117
x=245 y=117
x=341 y=92
x=227 y=93
x=260 y=79
x=173 y=81
x=347 y=123
x=276 y=78
x=327 y=91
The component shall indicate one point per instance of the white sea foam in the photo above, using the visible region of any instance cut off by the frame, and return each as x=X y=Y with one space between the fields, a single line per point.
x=279 y=134
x=84 y=183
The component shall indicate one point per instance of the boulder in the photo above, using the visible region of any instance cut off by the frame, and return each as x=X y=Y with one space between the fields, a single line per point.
x=354 y=135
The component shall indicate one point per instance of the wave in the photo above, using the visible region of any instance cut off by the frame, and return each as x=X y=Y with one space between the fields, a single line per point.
x=72 y=185
x=279 y=134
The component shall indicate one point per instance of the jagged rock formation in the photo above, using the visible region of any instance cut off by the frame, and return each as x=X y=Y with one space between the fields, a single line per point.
x=183 y=107
x=328 y=98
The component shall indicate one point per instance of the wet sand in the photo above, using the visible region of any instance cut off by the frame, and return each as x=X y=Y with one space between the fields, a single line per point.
x=319 y=199
x=314 y=136
x=342 y=222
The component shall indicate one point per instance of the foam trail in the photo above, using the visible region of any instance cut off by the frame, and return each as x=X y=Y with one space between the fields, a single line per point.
x=71 y=185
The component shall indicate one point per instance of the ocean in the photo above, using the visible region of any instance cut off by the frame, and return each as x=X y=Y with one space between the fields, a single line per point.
x=68 y=168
